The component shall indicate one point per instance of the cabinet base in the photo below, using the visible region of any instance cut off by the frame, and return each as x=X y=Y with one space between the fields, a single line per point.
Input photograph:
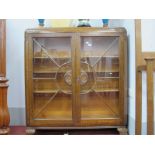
x=122 y=131
x=30 y=131
x=4 y=131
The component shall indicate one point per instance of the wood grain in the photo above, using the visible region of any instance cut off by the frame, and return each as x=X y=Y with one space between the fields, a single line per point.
x=150 y=95
x=142 y=66
x=138 y=103
x=105 y=105
x=2 y=47
x=4 y=113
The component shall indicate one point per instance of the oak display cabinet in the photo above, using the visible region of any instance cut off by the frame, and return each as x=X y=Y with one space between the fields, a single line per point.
x=76 y=78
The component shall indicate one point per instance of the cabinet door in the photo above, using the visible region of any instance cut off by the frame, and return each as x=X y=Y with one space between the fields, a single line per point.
x=51 y=79
x=99 y=79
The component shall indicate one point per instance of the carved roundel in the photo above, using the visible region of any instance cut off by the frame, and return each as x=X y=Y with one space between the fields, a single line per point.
x=64 y=78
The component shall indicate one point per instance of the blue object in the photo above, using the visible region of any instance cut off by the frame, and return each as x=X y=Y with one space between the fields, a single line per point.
x=41 y=22
x=105 y=22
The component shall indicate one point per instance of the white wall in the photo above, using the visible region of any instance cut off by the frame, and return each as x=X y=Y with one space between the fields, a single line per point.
x=130 y=27
x=148 y=34
x=15 y=60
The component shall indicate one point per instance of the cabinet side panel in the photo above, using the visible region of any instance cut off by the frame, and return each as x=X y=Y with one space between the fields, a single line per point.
x=27 y=98
x=123 y=80
x=126 y=80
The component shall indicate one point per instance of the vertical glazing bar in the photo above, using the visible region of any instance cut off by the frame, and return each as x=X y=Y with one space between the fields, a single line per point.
x=77 y=72
x=74 y=91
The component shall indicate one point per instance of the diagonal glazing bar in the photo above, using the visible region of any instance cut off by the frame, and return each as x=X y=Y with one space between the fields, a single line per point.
x=52 y=97
x=45 y=51
x=106 y=51
x=105 y=103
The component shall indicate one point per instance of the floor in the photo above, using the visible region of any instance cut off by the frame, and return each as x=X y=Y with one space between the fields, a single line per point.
x=20 y=130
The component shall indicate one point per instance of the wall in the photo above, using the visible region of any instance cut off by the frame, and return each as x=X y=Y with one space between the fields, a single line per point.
x=148 y=34
x=130 y=26
x=15 y=65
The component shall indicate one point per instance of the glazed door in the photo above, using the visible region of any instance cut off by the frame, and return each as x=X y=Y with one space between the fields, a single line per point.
x=98 y=77
x=52 y=79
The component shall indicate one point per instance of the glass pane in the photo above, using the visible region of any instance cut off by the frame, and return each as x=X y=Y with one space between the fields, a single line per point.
x=99 y=77
x=52 y=78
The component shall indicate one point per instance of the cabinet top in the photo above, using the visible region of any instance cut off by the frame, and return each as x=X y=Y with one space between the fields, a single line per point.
x=77 y=29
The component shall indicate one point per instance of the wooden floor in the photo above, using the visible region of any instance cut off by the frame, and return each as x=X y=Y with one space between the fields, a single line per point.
x=20 y=130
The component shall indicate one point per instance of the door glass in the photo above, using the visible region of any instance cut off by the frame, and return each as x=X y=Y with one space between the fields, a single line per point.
x=99 y=77
x=52 y=78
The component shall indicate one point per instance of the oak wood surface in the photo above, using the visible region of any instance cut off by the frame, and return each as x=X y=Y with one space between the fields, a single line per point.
x=2 y=48
x=94 y=30
x=75 y=109
x=150 y=96
x=138 y=126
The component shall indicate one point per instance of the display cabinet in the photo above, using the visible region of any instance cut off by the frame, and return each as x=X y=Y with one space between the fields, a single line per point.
x=76 y=78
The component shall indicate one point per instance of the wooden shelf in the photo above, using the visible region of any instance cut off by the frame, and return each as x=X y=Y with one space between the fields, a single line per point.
x=44 y=78
x=98 y=78
x=89 y=56
x=46 y=72
x=45 y=92
x=99 y=106
x=45 y=58
x=52 y=72
x=60 y=108
x=65 y=55
x=96 y=90
x=106 y=90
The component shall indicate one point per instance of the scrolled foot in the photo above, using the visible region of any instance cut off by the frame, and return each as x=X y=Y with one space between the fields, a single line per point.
x=30 y=131
x=4 y=131
x=122 y=131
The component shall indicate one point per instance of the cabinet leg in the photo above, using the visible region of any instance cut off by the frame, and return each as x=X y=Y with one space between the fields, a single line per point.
x=4 y=131
x=122 y=131
x=30 y=131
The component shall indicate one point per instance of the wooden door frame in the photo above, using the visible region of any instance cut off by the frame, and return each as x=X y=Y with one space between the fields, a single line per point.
x=30 y=122
x=123 y=57
x=2 y=47
x=140 y=66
